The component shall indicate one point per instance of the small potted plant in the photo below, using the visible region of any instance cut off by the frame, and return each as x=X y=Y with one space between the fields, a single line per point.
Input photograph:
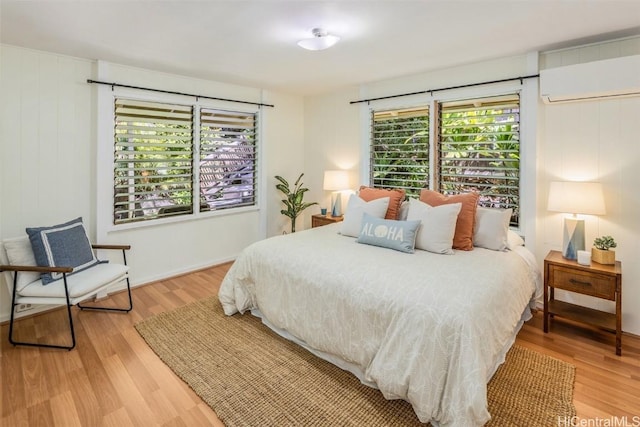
x=600 y=252
x=294 y=199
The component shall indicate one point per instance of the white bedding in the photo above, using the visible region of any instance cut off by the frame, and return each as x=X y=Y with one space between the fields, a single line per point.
x=423 y=327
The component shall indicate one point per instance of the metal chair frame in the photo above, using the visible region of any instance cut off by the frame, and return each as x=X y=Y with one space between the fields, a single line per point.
x=64 y=271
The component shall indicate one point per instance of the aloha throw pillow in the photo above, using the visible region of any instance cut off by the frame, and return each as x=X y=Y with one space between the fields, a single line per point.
x=389 y=233
x=351 y=224
x=492 y=228
x=62 y=245
x=438 y=225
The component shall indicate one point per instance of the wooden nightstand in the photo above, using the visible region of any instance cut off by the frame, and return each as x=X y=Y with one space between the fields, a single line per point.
x=319 y=220
x=596 y=280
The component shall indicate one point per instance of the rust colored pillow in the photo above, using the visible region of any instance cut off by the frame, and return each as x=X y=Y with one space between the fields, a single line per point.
x=396 y=197
x=463 y=238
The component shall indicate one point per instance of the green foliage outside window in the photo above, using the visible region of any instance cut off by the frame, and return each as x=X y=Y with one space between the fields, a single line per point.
x=155 y=158
x=480 y=151
x=477 y=148
x=400 y=150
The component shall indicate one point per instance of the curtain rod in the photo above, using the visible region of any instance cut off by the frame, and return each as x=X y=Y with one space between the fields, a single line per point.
x=430 y=91
x=177 y=93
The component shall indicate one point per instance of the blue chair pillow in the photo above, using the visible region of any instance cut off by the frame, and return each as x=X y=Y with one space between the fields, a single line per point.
x=62 y=245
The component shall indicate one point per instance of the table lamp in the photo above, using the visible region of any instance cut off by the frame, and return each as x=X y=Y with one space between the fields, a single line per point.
x=336 y=181
x=575 y=198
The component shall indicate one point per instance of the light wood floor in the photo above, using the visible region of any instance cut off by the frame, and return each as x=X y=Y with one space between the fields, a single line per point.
x=113 y=378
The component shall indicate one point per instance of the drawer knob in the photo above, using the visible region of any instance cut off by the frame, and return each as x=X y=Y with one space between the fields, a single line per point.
x=579 y=282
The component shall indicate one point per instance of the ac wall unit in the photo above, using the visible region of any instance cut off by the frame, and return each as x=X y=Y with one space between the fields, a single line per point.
x=618 y=77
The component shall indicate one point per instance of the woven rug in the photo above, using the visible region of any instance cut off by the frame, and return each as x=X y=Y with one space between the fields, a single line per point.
x=250 y=376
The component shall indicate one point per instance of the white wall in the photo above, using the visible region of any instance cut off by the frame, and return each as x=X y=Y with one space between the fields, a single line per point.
x=48 y=123
x=47 y=119
x=51 y=162
x=283 y=156
x=49 y=154
x=337 y=132
x=595 y=140
x=332 y=131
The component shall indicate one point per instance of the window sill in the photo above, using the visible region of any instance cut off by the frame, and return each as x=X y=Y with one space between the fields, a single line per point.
x=182 y=218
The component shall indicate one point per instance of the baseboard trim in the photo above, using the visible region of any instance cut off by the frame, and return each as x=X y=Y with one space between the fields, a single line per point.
x=5 y=317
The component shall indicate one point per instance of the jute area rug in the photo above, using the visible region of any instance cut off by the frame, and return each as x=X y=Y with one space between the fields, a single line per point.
x=250 y=376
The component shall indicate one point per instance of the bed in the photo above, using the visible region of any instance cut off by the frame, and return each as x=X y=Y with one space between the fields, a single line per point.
x=424 y=327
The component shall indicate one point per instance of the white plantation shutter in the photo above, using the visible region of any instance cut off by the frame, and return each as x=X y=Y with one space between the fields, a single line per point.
x=227 y=159
x=153 y=160
x=479 y=150
x=400 y=149
x=159 y=169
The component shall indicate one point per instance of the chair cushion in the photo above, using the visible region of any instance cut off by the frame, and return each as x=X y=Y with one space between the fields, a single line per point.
x=19 y=252
x=62 y=245
x=83 y=283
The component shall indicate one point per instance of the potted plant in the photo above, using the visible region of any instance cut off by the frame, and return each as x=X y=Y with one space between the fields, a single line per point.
x=294 y=199
x=600 y=252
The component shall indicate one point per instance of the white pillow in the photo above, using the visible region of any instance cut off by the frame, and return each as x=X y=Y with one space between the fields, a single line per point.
x=492 y=228
x=404 y=210
x=514 y=240
x=19 y=252
x=438 y=225
x=356 y=207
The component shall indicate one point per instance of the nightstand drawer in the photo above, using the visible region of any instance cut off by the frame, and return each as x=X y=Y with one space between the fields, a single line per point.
x=586 y=283
x=597 y=280
x=320 y=220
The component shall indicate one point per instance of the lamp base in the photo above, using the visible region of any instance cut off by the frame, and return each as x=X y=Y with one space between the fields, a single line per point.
x=573 y=237
x=336 y=203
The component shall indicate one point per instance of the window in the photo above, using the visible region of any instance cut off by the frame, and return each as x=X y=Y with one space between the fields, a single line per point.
x=157 y=168
x=400 y=149
x=479 y=150
x=475 y=148
x=153 y=160
x=227 y=159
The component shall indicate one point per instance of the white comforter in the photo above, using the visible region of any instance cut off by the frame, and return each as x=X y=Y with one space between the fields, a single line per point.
x=423 y=327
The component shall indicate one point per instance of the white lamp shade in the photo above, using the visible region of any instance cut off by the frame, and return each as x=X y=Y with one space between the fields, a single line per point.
x=336 y=180
x=576 y=198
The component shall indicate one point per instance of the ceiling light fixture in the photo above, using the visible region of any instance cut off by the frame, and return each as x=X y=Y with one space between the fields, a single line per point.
x=320 y=40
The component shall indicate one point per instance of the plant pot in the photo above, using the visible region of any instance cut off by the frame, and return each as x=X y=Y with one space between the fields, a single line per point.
x=603 y=257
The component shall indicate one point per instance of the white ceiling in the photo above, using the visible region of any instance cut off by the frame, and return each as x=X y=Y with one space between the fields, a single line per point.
x=253 y=42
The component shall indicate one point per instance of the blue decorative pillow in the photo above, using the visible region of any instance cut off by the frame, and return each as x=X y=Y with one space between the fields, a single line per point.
x=62 y=245
x=389 y=233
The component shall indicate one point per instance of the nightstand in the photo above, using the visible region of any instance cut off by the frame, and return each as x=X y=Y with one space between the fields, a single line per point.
x=319 y=220
x=596 y=280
